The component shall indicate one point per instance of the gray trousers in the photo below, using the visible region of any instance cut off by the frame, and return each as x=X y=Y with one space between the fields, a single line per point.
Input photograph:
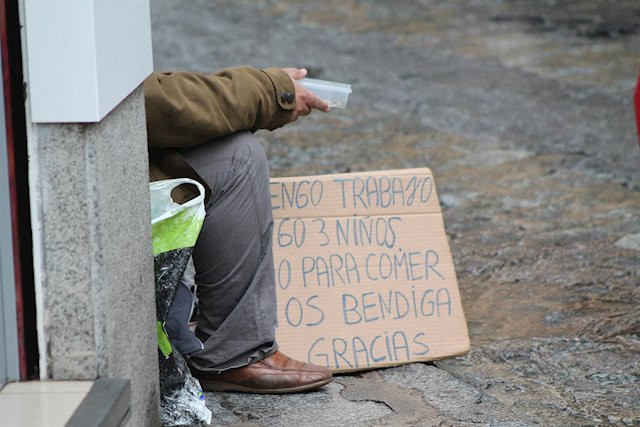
x=233 y=256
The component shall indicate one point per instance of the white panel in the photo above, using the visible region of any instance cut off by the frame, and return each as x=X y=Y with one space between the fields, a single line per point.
x=61 y=60
x=84 y=56
x=123 y=43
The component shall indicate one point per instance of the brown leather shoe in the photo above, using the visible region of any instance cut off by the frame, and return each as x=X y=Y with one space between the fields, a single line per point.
x=277 y=373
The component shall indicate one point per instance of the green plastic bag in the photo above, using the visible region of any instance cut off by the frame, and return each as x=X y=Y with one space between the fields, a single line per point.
x=174 y=230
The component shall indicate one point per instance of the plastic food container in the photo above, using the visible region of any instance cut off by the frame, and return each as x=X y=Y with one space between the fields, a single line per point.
x=336 y=94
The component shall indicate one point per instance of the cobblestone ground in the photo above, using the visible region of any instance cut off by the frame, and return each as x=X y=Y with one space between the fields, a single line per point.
x=522 y=109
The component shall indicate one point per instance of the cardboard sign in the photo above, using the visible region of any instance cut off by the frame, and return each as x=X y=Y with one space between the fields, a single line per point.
x=364 y=275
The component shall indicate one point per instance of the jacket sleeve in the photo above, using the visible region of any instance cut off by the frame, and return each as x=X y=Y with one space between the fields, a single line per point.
x=186 y=109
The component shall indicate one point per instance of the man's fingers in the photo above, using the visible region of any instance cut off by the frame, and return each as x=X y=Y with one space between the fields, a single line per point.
x=311 y=100
x=317 y=103
x=305 y=99
x=299 y=73
x=296 y=73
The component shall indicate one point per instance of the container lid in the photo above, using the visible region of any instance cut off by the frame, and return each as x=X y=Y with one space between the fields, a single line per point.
x=326 y=85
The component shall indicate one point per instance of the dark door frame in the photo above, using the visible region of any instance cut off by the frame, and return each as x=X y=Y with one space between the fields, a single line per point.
x=16 y=139
x=9 y=363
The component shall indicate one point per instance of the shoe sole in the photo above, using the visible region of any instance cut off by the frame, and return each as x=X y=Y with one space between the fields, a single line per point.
x=221 y=386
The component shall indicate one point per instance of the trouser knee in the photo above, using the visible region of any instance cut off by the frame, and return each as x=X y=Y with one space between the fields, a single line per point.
x=248 y=151
x=230 y=164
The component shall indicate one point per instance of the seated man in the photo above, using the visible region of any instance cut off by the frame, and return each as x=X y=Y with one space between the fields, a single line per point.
x=199 y=126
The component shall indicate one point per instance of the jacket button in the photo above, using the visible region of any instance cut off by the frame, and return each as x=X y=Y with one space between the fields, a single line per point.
x=287 y=97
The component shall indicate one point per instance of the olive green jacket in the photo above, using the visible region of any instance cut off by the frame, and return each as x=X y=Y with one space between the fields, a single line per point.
x=188 y=109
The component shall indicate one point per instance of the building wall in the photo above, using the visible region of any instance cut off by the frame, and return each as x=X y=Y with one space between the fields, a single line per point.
x=92 y=252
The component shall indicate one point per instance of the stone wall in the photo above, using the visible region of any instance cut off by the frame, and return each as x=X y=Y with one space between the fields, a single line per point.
x=92 y=250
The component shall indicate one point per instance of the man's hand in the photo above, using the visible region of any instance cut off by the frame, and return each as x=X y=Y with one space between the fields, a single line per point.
x=305 y=99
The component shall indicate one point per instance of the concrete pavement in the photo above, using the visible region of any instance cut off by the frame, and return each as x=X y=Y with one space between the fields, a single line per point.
x=522 y=109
